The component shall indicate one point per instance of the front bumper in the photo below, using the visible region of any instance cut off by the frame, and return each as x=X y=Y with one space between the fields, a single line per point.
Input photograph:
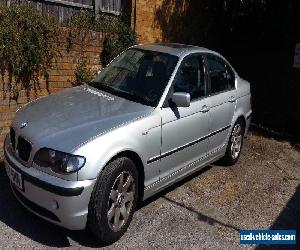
x=62 y=202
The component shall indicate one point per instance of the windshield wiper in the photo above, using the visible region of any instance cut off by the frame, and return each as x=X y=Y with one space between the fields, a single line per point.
x=101 y=86
x=133 y=97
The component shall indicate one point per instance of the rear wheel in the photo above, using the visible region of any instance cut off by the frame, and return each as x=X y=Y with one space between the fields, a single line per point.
x=235 y=143
x=113 y=200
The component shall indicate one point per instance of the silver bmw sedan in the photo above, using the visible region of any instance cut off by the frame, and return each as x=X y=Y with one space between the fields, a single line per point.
x=157 y=113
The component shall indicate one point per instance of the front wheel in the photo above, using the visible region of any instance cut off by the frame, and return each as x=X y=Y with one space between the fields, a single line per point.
x=235 y=143
x=113 y=200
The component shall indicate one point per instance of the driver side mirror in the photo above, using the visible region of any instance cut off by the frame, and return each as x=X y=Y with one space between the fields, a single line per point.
x=181 y=99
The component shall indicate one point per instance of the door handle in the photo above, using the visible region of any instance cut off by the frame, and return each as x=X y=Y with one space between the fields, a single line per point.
x=232 y=99
x=205 y=109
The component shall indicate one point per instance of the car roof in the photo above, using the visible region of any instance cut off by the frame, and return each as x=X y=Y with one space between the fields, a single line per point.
x=175 y=49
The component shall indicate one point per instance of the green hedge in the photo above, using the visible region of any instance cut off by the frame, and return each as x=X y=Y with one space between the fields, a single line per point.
x=28 y=44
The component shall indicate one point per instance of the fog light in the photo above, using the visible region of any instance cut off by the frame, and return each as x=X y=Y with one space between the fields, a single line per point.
x=55 y=205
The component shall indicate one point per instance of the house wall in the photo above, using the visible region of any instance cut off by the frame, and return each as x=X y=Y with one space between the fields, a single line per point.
x=144 y=12
x=61 y=10
x=150 y=18
x=61 y=76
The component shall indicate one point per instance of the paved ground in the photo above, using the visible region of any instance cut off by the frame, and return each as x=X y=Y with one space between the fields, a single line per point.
x=206 y=210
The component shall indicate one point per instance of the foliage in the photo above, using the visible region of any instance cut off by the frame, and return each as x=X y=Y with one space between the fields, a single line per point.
x=82 y=20
x=81 y=23
x=82 y=74
x=119 y=36
x=28 y=44
x=116 y=29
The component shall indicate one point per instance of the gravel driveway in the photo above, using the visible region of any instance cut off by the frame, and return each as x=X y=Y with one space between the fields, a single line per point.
x=206 y=210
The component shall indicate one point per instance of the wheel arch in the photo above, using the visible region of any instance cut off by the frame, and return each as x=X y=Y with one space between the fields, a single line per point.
x=239 y=114
x=237 y=117
x=242 y=119
x=139 y=167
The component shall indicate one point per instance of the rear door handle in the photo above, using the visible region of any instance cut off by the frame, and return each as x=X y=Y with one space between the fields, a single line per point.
x=205 y=109
x=232 y=99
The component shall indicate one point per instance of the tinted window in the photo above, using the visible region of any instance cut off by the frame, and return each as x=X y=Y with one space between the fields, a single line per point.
x=230 y=76
x=220 y=78
x=190 y=77
x=138 y=75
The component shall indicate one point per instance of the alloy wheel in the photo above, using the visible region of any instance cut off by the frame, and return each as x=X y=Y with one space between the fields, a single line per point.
x=236 y=141
x=121 y=200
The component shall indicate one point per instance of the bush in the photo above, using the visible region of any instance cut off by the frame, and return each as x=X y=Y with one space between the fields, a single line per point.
x=118 y=33
x=28 y=44
x=80 y=24
x=119 y=38
x=82 y=74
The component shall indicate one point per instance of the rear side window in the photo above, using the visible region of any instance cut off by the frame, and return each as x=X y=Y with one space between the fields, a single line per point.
x=222 y=78
x=230 y=77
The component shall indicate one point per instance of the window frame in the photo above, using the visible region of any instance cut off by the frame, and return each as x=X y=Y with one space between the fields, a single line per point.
x=227 y=67
x=205 y=75
x=114 y=12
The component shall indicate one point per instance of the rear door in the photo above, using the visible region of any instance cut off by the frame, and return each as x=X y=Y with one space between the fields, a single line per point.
x=222 y=100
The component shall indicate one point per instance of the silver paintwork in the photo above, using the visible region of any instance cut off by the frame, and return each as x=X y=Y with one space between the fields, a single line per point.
x=97 y=125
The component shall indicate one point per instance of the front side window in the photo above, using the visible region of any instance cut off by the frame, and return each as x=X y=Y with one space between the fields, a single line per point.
x=138 y=75
x=190 y=77
x=221 y=79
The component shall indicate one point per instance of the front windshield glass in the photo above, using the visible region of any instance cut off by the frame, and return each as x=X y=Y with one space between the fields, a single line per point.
x=137 y=75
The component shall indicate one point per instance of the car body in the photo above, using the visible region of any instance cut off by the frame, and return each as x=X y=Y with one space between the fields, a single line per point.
x=167 y=139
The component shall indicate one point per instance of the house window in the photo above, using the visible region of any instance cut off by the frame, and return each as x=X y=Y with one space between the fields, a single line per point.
x=111 y=6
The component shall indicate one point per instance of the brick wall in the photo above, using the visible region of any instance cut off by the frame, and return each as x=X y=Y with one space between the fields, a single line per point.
x=61 y=76
x=151 y=18
x=145 y=25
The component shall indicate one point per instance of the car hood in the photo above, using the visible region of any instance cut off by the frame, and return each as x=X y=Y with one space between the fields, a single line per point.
x=65 y=120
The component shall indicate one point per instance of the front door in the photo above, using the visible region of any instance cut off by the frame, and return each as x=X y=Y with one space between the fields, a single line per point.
x=185 y=129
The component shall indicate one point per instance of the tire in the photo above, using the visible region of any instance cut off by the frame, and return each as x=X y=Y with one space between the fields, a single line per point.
x=235 y=144
x=113 y=200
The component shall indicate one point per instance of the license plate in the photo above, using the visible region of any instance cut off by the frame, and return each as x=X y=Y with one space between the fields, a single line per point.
x=15 y=177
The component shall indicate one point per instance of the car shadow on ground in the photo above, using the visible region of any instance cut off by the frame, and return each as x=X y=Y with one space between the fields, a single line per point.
x=202 y=217
x=293 y=140
x=288 y=219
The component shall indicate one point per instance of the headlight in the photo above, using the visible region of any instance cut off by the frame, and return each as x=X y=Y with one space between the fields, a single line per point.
x=58 y=161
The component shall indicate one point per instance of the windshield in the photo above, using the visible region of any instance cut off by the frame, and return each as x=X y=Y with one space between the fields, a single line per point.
x=137 y=75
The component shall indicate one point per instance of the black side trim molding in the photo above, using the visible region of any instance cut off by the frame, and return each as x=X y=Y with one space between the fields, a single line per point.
x=69 y=192
x=156 y=158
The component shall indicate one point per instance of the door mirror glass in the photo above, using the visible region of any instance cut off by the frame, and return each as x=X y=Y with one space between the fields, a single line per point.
x=181 y=99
